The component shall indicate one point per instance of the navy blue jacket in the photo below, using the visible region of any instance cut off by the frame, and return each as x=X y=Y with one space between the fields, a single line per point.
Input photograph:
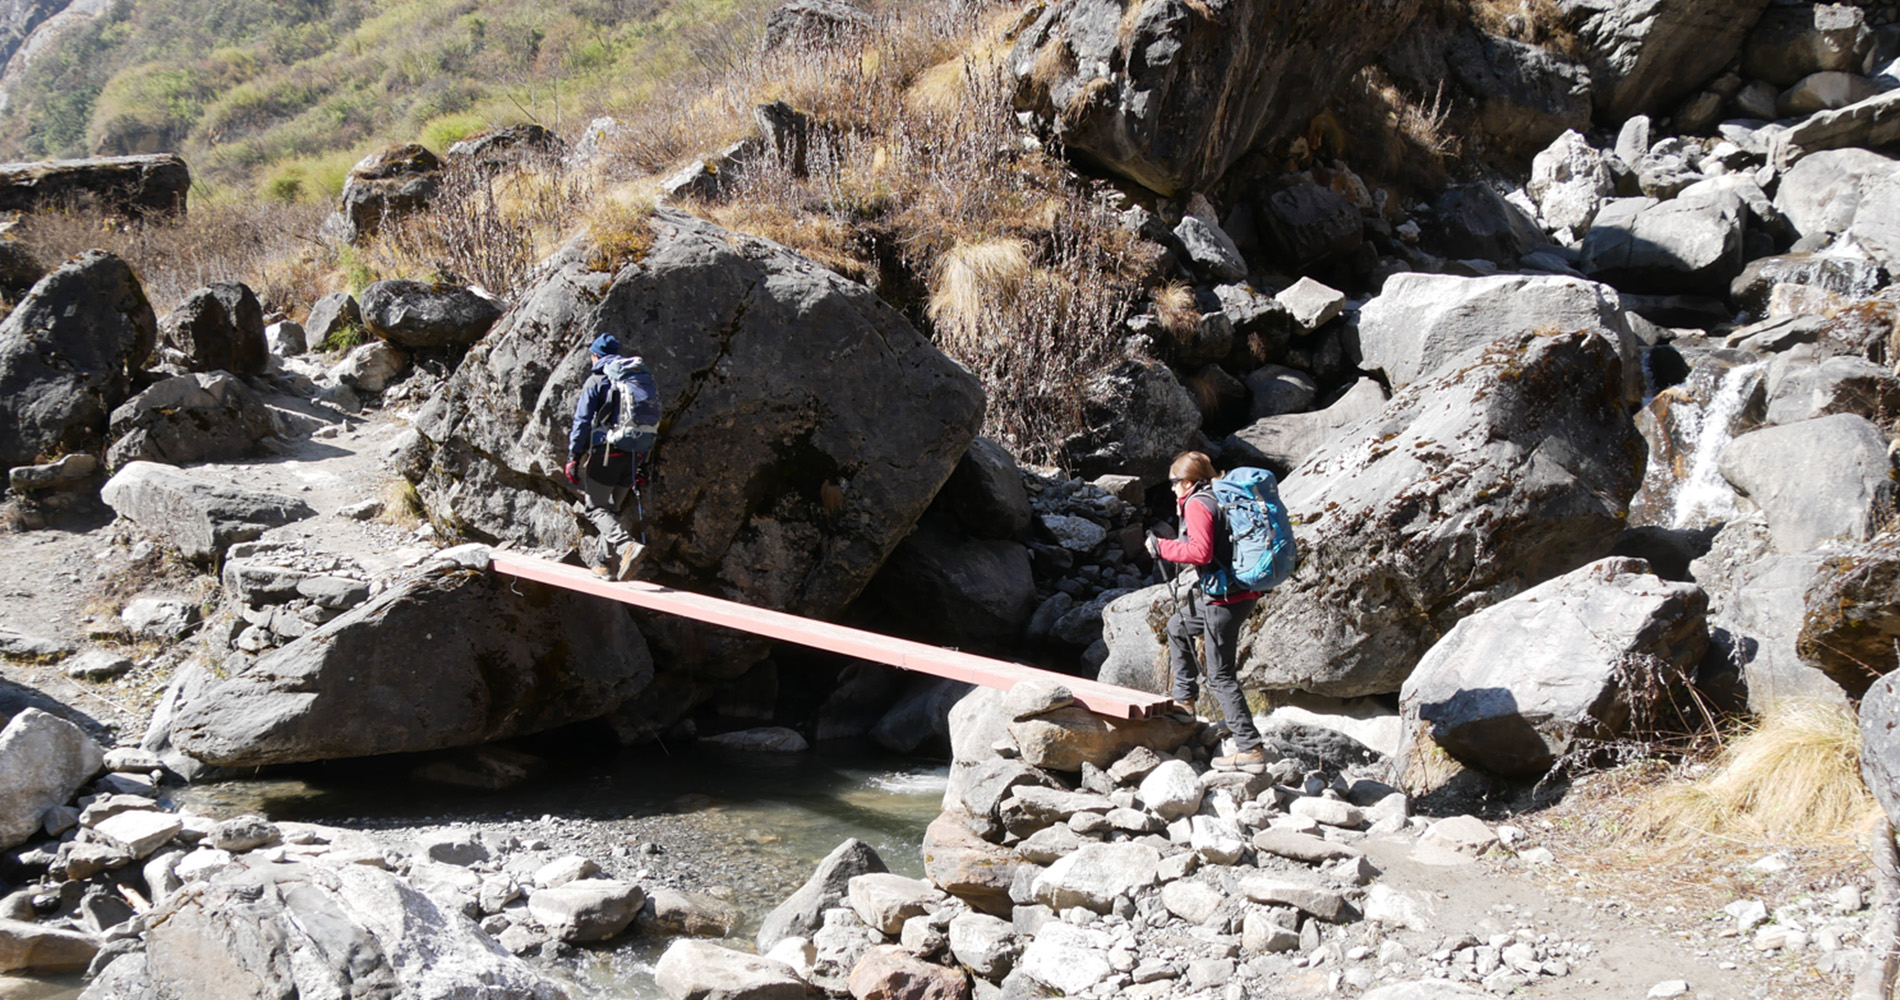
x=597 y=402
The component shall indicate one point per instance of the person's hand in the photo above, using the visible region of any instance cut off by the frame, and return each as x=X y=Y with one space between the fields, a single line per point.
x=568 y=469
x=1153 y=546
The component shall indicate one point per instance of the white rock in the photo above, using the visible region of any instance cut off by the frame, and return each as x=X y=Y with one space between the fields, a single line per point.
x=1330 y=812
x=884 y=900
x=1171 y=790
x=202 y=864
x=797 y=953
x=1070 y=959
x=563 y=870
x=1464 y=834
x=1095 y=875
x=139 y=832
x=45 y=760
x=1747 y=913
x=692 y=968
x=1669 y=988
x=1398 y=908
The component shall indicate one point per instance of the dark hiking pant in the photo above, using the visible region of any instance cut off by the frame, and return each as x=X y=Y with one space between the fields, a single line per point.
x=1218 y=625
x=601 y=504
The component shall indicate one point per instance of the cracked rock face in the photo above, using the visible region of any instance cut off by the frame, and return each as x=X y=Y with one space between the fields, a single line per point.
x=1170 y=94
x=806 y=426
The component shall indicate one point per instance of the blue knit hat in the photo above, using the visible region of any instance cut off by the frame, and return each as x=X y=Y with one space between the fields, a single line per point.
x=606 y=346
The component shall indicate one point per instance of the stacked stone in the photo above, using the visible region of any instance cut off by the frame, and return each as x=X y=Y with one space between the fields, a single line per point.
x=1086 y=552
x=282 y=593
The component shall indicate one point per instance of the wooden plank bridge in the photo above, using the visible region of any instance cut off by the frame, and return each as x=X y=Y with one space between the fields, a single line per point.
x=1102 y=699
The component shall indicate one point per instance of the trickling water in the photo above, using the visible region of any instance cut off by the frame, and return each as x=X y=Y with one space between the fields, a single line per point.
x=1704 y=495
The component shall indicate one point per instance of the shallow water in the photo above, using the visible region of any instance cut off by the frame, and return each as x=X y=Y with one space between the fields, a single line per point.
x=749 y=827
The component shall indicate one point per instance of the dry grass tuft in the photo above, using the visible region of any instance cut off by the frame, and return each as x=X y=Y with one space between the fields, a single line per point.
x=622 y=233
x=1792 y=778
x=1175 y=307
x=977 y=284
x=402 y=505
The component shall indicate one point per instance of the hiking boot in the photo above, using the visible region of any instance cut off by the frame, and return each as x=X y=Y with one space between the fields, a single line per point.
x=602 y=572
x=1250 y=761
x=630 y=556
x=1180 y=708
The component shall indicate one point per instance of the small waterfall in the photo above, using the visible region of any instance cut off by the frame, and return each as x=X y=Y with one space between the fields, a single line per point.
x=1704 y=495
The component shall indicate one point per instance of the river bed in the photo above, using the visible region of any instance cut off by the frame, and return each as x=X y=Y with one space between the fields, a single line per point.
x=747 y=828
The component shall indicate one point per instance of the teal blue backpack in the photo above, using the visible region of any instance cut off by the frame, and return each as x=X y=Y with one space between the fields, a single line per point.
x=1263 y=552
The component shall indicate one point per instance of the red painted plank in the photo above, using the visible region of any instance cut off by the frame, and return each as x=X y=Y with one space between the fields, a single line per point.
x=1097 y=697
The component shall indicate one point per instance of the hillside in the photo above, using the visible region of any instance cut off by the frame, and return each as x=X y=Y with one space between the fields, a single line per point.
x=290 y=92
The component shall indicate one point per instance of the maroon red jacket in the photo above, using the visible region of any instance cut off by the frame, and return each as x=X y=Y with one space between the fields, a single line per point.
x=1195 y=547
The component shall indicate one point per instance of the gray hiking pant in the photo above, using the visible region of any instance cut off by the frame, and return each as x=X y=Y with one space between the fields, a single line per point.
x=600 y=504
x=1218 y=625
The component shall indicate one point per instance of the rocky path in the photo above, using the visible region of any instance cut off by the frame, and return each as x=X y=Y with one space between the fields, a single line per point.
x=1577 y=918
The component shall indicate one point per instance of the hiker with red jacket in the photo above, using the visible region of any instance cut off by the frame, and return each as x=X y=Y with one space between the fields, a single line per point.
x=616 y=421
x=1204 y=544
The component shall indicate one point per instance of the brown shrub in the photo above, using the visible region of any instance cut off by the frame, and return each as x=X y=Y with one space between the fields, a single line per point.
x=220 y=240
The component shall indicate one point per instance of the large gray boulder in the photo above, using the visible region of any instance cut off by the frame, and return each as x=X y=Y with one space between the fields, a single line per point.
x=1138 y=417
x=445 y=657
x=1570 y=179
x=154 y=185
x=803 y=912
x=385 y=186
x=1526 y=94
x=218 y=328
x=43 y=760
x=1688 y=243
x=309 y=929
x=1304 y=225
x=1868 y=124
x=1855 y=192
x=1513 y=466
x=1793 y=41
x=412 y=314
x=1281 y=443
x=206 y=417
x=1842 y=274
x=1474 y=222
x=1822 y=193
x=1170 y=94
x=1419 y=322
x=702 y=970
x=200 y=519
x=1852 y=621
x=1645 y=56
x=1880 y=744
x=806 y=425
x=1802 y=390
x=1093 y=876
x=66 y=354
x=588 y=909
x=814 y=23
x=1514 y=687
x=986 y=492
x=1817 y=480
x=330 y=316
x=1757 y=604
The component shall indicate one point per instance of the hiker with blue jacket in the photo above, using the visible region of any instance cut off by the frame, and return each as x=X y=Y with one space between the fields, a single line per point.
x=1204 y=544
x=616 y=422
